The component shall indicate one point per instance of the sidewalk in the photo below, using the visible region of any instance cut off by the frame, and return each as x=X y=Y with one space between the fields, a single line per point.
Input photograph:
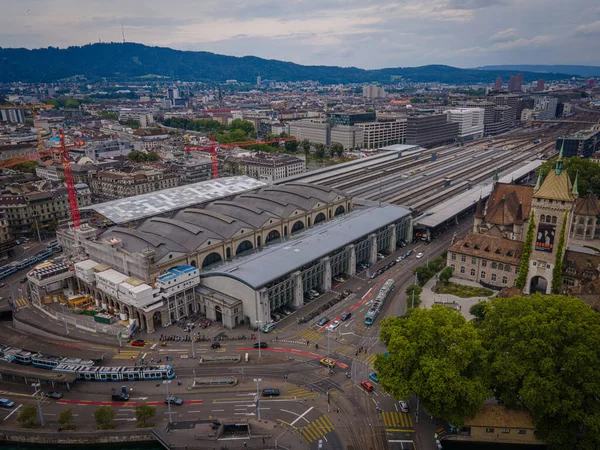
x=429 y=298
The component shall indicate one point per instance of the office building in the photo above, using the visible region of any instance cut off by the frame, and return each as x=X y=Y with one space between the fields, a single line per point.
x=316 y=131
x=351 y=118
x=498 y=85
x=193 y=170
x=430 y=130
x=112 y=185
x=470 y=121
x=541 y=85
x=351 y=137
x=582 y=144
x=12 y=115
x=515 y=83
x=103 y=149
x=258 y=81
x=373 y=91
x=383 y=132
x=487 y=106
x=265 y=166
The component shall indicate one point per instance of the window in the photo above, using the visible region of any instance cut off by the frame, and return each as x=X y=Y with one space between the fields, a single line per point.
x=482 y=275
x=462 y=269
x=542 y=218
x=453 y=256
x=535 y=263
x=473 y=260
x=504 y=280
x=484 y=263
x=472 y=272
x=507 y=268
x=494 y=265
x=463 y=258
x=506 y=430
x=500 y=266
x=553 y=219
x=524 y=431
x=453 y=267
x=489 y=430
x=493 y=277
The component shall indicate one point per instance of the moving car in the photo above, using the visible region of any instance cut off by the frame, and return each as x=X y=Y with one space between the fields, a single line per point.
x=270 y=392
x=52 y=394
x=215 y=345
x=380 y=256
x=6 y=403
x=138 y=343
x=269 y=327
x=261 y=345
x=368 y=386
x=403 y=406
x=419 y=255
x=328 y=362
x=339 y=279
x=346 y=316
x=174 y=401
x=373 y=376
x=323 y=321
x=334 y=325
x=120 y=397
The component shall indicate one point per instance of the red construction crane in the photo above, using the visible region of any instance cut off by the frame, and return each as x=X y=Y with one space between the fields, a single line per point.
x=213 y=149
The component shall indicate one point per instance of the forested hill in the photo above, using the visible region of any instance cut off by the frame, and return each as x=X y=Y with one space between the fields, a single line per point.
x=129 y=60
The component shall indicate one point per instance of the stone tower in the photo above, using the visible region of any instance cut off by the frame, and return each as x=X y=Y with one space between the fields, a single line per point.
x=551 y=198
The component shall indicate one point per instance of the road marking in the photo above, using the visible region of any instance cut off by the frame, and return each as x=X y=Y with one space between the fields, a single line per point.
x=195 y=412
x=14 y=411
x=217 y=410
x=128 y=420
x=303 y=414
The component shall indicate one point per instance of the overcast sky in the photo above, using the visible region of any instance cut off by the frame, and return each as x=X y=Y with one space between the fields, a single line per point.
x=362 y=33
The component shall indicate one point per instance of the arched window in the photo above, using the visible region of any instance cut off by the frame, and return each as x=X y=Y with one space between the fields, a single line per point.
x=462 y=269
x=243 y=247
x=320 y=218
x=507 y=268
x=493 y=277
x=339 y=210
x=542 y=218
x=553 y=219
x=494 y=265
x=482 y=275
x=500 y=266
x=504 y=280
x=472 y=272
x=211 y=259
x=273 y=234
x=297 y=226
x=453 y=267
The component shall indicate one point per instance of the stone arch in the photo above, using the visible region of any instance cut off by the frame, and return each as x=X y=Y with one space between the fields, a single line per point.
x=339 y=210
x=299 y=225
x=320 y=218
x=273 y=235
x=244 y=246
x=538 y=284
x=211 y=258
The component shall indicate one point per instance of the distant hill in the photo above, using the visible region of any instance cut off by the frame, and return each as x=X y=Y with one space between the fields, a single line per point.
x=582 y=71
x=129 y=60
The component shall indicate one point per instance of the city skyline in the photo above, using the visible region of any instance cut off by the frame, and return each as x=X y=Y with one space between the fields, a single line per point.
x=462 y=33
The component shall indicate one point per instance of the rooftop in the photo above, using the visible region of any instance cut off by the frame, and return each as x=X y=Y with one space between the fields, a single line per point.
x=160 y=202
x=278 y=260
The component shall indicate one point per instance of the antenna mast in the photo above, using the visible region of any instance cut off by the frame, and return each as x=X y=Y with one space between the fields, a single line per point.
x=123 y=31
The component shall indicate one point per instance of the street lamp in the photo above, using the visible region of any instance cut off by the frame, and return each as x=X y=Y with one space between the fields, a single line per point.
x=258 y=324
x=257 y=380
x=166 y=383
x=193 y=348
x=36 y=386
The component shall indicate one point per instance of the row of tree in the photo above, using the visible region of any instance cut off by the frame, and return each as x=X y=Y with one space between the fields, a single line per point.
x=138 y=156
x=104 y=416
x=540 y=353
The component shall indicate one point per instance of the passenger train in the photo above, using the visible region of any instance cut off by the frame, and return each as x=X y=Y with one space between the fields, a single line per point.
x=20 y=356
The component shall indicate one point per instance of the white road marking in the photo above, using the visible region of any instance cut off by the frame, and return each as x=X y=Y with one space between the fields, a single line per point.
x=217 y=410
x=196 y=412
x=128 y=420
x=14 y=411
x=303 y=414
x=49 y=414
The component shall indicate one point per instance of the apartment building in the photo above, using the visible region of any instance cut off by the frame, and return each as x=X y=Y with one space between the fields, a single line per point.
x=383 y=132
x=107 y=185
x=7 y=242
x=470 y=121
x=12 y=115
x=44 y=209
x=373 y=91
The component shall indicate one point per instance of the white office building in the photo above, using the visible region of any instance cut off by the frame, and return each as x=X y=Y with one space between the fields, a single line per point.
x=470 y=121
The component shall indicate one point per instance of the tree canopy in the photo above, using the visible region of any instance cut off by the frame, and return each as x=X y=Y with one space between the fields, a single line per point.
x=589 y=173
x=435 y=354
x=104 y=417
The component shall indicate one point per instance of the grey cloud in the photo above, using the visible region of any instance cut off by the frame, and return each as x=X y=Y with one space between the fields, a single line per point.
x=590 y=29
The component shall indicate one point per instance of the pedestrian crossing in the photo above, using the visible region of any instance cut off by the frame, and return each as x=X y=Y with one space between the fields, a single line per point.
x=21 y=303
x=397 y=421
x=351 y=351
x=310 y=335
x=302 y=392
x=127 y=354
x=316 y=429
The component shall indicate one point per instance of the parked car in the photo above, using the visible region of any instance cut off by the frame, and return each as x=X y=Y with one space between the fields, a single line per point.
x=373 y=275
x=314 y=293
x=419 y=255
x=138 y=343
x=323 y=321
x=6 y=403
x=215 y=345
x=174 y=401
x=380 y=256
x=52 y=394
x=328 y=362
x=373 y=376
x=346 y=316
x=368 y=386
x=270 y=392
x=339 y=279
x=403 y=406
x=399 y=258
x=408 y=253
x=286 y=311
x=261 y=345
x=334 y=325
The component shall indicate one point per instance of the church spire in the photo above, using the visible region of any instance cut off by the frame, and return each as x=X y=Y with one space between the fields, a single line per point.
x=575 y=189
x=559 y=161
x=538 y=183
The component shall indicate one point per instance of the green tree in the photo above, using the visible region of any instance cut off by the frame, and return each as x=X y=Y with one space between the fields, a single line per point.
x=27 y=416
x=152 y=156
x=557 y=278
x=137 y=156
x=416 y=289
x=104 y=417
x=144 y=413
x=338 y=148
x=445 y=275
x=244 y=125
x=291 y=146
x=527 y=245
x=544 y=356
x=108 y=115
x=436 y=354
x=26 y=167
x=305 y=144
x=65 y=420
x=131 y=123
x=320 y=150
x=478 y=311
x=589 y=173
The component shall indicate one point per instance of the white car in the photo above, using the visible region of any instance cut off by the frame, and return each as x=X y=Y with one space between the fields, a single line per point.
x=334 y=325
x=419 y=255
x=403 y=406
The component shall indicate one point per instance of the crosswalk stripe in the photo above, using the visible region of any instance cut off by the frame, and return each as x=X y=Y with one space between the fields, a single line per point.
x=316 y=429
x=396 y=419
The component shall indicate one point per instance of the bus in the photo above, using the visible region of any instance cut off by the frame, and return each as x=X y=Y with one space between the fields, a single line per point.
x=7 y=271
x=377 y=305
